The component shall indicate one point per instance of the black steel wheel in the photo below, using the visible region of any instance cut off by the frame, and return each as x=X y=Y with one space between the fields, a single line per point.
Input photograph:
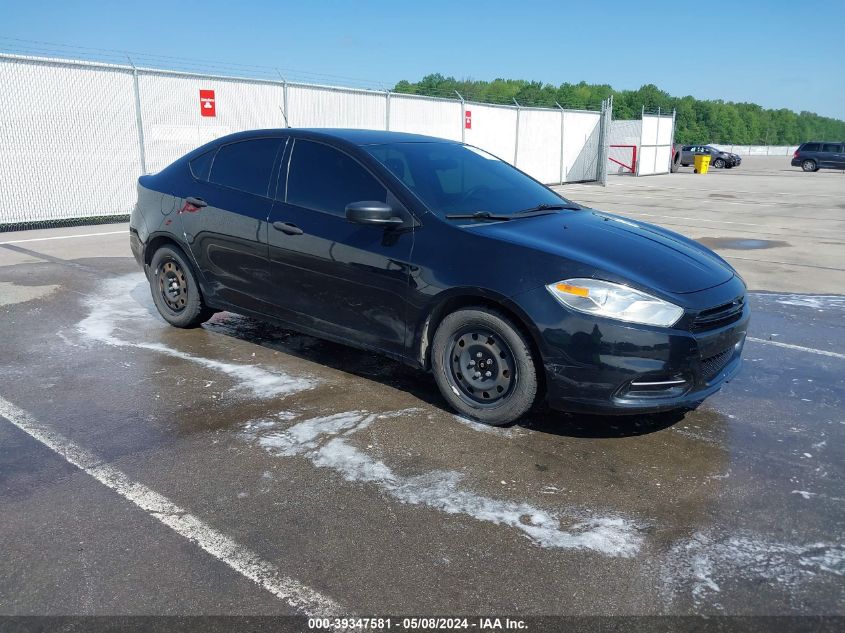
x=174 y=287
x=484 y=366
x=172 y=284
x=481 y=366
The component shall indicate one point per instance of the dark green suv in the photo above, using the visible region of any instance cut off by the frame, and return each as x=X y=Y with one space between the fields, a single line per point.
x=817 y=155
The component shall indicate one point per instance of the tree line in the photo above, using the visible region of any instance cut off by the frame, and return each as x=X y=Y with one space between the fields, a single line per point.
x=697 y=120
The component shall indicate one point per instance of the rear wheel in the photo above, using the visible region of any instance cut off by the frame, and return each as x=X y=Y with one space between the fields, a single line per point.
x=808 y=165
x=484 y=366
x=175 y=291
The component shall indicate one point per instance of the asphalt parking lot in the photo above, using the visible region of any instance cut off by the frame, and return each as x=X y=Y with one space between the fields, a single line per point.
x=244 y=469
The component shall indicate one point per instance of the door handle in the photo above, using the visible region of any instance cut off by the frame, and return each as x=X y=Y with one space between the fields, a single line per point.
x=287 y=228
x=199 y=203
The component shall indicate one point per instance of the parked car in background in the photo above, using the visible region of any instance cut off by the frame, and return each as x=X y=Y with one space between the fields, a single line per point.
x=718 y=158
x=816 y=155
x=444 y=257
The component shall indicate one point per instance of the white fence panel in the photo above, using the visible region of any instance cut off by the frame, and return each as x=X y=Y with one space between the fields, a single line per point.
x=71 y=145
x=68 y=141
x=170 y=112
x=493 y=129
x=318 y=106
x=433 y=117
x=758 y=150
x=655 y=153
x=581 y=131
x=540 y=148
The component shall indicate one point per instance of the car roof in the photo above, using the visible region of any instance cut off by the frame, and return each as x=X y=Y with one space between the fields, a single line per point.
x=350 y=136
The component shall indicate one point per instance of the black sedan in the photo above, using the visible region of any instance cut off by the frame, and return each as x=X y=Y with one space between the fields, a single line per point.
x=718 y=158
x=441 y=255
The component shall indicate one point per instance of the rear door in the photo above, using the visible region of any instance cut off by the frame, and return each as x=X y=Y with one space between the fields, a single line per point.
x=831 y=154
x=347 y=280
x=228 y=237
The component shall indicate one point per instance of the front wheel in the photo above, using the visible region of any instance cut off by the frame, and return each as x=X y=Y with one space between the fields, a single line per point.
x=719 y=163
x=484 y=366
x=808 y=165
x=176 y=293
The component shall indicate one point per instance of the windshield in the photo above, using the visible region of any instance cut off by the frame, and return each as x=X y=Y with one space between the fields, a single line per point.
x=451 y=178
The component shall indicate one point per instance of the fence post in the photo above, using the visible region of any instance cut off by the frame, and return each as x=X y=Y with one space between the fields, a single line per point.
x=604 y=137
x=284 y=107
x=387 y=110
x=561 y=141
x=672 y=141
x=463 y=117
x=516 y=140
x=139 y=122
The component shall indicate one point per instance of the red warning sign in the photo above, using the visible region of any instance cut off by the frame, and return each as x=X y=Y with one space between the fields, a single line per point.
x=207 y=105
x=468 y=119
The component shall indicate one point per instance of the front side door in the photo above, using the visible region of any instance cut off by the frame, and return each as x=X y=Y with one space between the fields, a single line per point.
x=228 y=236
x=347 y=280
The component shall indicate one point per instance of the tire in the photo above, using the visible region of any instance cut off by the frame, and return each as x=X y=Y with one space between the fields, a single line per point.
x=175 y=291
x=676 y=162
x=475 y=340
x=719 y=163
x=809 y=165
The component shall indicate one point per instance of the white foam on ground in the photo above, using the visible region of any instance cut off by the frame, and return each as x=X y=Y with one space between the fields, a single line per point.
x=114 y=311
x=506 y=431
x=702 y=564
x=323 y=440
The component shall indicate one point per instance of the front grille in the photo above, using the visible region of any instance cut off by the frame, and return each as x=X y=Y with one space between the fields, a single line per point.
x=719 y=316
x=710 y=367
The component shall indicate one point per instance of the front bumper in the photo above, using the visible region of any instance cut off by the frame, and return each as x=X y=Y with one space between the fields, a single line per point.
x=598 y=365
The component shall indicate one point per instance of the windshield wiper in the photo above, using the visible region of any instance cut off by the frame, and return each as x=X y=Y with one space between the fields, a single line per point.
x=478 y=215
x=550 y=207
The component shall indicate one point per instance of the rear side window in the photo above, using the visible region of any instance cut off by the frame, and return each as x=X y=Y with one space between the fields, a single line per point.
x=325 y=179
x=201 y=165
x=810 y=147
x=246 y=165
x=830 y=147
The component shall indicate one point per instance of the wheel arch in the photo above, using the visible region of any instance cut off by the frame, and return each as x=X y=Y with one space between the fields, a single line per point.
x=459 y=298
x=157 y=240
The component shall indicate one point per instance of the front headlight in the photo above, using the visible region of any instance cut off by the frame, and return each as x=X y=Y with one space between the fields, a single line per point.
x=615 y=301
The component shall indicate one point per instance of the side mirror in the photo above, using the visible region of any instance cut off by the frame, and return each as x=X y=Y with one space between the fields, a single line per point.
x=372 y=212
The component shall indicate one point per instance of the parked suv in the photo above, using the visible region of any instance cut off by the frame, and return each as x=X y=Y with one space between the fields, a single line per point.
x=718 y=158
x=816 y=155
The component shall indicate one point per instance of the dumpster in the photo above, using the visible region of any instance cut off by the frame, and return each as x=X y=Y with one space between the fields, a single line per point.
x=702 y=163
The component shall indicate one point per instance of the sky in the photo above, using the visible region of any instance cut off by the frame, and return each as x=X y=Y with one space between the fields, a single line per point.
x=779 y=54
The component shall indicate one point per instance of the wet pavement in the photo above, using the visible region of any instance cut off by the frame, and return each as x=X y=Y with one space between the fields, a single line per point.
x=347 y=473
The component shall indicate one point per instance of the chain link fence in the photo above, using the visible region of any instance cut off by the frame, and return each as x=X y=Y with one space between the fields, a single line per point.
x=75 y=135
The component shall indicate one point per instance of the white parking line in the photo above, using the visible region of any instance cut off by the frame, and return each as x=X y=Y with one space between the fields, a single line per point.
x=64 y=237
x=799 y=348
x=244 y=561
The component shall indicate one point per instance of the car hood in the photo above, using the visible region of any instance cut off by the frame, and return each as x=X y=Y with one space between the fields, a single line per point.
x=637 y=252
